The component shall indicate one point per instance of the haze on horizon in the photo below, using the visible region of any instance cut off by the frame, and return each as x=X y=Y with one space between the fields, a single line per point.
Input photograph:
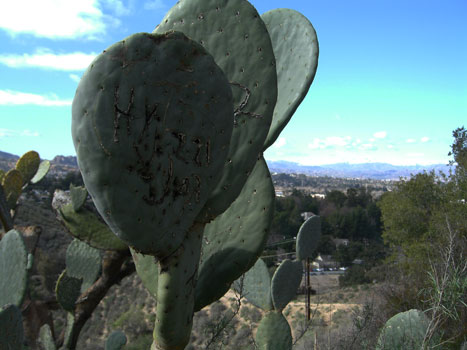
x=391 y=84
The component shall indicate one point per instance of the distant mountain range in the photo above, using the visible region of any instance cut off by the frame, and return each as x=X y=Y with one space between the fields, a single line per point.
x=377 y=171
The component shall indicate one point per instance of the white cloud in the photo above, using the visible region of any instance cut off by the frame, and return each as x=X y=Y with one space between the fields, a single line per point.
x=16 y=133
x=367 y=147
x=46 y=59
x=380 y=134
x=281 y=142
x=9 y=97
x=331 y=141
x=59 y=19
x=425 y=139
x=75 y=77
x=154 y=5
x=390 y=146
x=118 y=7
x=410 y=141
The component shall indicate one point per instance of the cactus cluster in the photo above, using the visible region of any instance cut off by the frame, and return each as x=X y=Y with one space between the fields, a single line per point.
x=273 y=294
x=28 y=169
x=169 y=129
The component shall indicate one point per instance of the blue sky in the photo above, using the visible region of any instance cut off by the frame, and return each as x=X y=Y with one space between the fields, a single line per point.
x=391 y=83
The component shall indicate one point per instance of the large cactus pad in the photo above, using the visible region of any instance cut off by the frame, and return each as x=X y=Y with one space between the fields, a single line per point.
x=152 y=120
x=296 y=49
x=233 y=32
x=13 y=269
x=233 y=242
x=274 y=332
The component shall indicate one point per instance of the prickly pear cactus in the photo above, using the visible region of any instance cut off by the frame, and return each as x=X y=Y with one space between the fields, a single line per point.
x=152 y=119
x=78 y=196
x=274 y=332
x=233 y=32
x=285 y=282
x=12 y=184
x=46 y=339
x=406 y=330
x=67 y=291
x=27 y=165
x=85 y=226
x=308 y=238
x=83 y=262
x=115 y=341
x=13 y=269
x=295 y=45
x=11 y=328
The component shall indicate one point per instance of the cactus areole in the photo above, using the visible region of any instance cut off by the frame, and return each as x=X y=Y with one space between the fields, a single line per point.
x=152 y=122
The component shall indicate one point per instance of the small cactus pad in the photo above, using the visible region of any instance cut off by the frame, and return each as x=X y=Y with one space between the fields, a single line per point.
x=83 y=262
x=147 y=269
x=308 y=238
x=67 y=290
x=12 y=185
x=274 y=332
x=255 y=286
x=13 y=269
x=28 y=165
x=78 y=196
x=296 y=49
x=406 y=330
x=285 y=283
x=115 y=341
x=152 y=120
x=234 y=240
x=233 y=32
x=45 y=338
x=11 y=328
x=85 y=226
x=44 y=167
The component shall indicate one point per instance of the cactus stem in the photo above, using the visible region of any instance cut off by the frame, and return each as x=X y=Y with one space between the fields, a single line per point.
x=175 y=295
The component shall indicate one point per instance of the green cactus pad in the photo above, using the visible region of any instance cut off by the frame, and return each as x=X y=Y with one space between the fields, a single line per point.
x=285 y=283
x=115 y=341
x=11 y=328
x=233 y=32
x=274 y=332
x=12 y=185
x=67 y=290
x=85 y=226
x=28 y=165
x=147 y=269
x=233 y=242
x=78 y=196
x=46 y=339
x=2 y=175
x=308 y=238
x=13 y=269
x=152 y=119
x=83 y=262
x=406 y=330
x=44 y=168
x=256 y=286
x=296 y=49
